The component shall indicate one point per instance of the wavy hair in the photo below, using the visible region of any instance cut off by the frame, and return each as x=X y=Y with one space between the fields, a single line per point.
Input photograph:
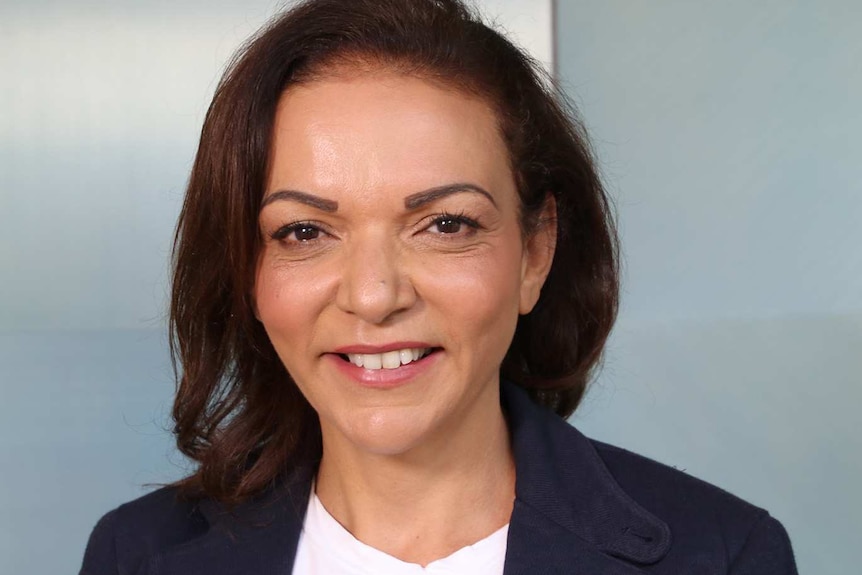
x=237 y=412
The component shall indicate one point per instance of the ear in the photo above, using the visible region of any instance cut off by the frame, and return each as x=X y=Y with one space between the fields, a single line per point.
x=539 y=247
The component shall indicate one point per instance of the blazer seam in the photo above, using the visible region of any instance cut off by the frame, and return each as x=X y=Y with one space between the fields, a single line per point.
x=761 y=518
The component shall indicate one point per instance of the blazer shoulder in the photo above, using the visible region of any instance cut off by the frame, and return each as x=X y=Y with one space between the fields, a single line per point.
x=663 y=483
x=124 y=537
x=699 y=512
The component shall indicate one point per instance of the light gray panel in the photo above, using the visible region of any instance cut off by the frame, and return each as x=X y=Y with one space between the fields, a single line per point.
x=728 y=132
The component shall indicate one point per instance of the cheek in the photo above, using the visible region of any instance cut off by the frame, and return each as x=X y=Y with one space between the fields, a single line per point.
x=478 y=296
x=286 y=299
x=271 y=294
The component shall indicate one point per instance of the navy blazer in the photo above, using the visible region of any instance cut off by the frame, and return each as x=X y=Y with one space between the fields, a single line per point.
x=581 y=507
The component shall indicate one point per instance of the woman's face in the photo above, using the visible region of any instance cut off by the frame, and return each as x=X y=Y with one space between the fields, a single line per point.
x=393 y=267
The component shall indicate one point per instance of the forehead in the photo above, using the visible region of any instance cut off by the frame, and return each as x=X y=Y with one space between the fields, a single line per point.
x=379 y=128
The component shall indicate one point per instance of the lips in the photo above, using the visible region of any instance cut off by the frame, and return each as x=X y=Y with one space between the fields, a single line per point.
x=374 y=372
x=387 y=360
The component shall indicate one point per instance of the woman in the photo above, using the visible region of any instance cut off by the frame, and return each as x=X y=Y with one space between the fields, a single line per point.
x=394 y=272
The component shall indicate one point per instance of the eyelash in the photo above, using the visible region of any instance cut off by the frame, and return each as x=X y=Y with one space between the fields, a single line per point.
x=461 y=218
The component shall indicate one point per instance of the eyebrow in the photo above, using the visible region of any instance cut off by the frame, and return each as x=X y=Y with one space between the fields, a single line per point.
x=411 y=202
x=419 y=199
x=321 y=204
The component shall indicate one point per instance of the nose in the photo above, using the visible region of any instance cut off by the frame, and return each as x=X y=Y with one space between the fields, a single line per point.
x=375 y=284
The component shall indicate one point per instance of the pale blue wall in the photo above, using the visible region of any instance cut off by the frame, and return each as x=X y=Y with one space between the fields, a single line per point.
x=730 y=134
x=100 y=108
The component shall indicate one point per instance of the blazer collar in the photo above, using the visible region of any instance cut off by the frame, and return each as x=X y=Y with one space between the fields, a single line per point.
x=570 y=514
x=259 y=536
x=563 y=488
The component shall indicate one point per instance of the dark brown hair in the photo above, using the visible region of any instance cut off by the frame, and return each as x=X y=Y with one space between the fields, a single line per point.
x=238 y=414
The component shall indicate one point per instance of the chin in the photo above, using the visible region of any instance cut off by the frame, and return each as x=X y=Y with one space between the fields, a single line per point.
x=385 y=433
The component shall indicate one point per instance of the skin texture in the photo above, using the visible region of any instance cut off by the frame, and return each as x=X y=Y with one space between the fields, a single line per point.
x=421 y=468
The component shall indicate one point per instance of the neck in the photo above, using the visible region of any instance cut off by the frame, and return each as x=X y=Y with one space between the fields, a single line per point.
x=425 y=504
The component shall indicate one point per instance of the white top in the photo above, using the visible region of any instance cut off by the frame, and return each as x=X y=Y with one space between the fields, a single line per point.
x=327 y=548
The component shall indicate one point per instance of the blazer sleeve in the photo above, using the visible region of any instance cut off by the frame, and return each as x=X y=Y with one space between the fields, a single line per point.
x=100 y=558
x=767 y=551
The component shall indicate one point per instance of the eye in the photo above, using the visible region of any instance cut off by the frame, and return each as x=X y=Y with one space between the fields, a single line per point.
x=449 y=224
x=297 y=232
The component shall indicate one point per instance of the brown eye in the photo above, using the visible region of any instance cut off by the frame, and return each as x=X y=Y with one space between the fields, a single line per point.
x=297 y=233
x=305 y=233
x=448 y=225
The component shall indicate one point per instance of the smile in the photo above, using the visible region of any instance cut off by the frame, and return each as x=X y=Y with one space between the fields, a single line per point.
x=387 y=360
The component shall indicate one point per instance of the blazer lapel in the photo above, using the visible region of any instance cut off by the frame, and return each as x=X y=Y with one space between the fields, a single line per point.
x=539 y=546
x=258 y=537
x=570 y=514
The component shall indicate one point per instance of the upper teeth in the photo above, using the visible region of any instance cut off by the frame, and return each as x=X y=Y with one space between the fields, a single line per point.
x=388 y=360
